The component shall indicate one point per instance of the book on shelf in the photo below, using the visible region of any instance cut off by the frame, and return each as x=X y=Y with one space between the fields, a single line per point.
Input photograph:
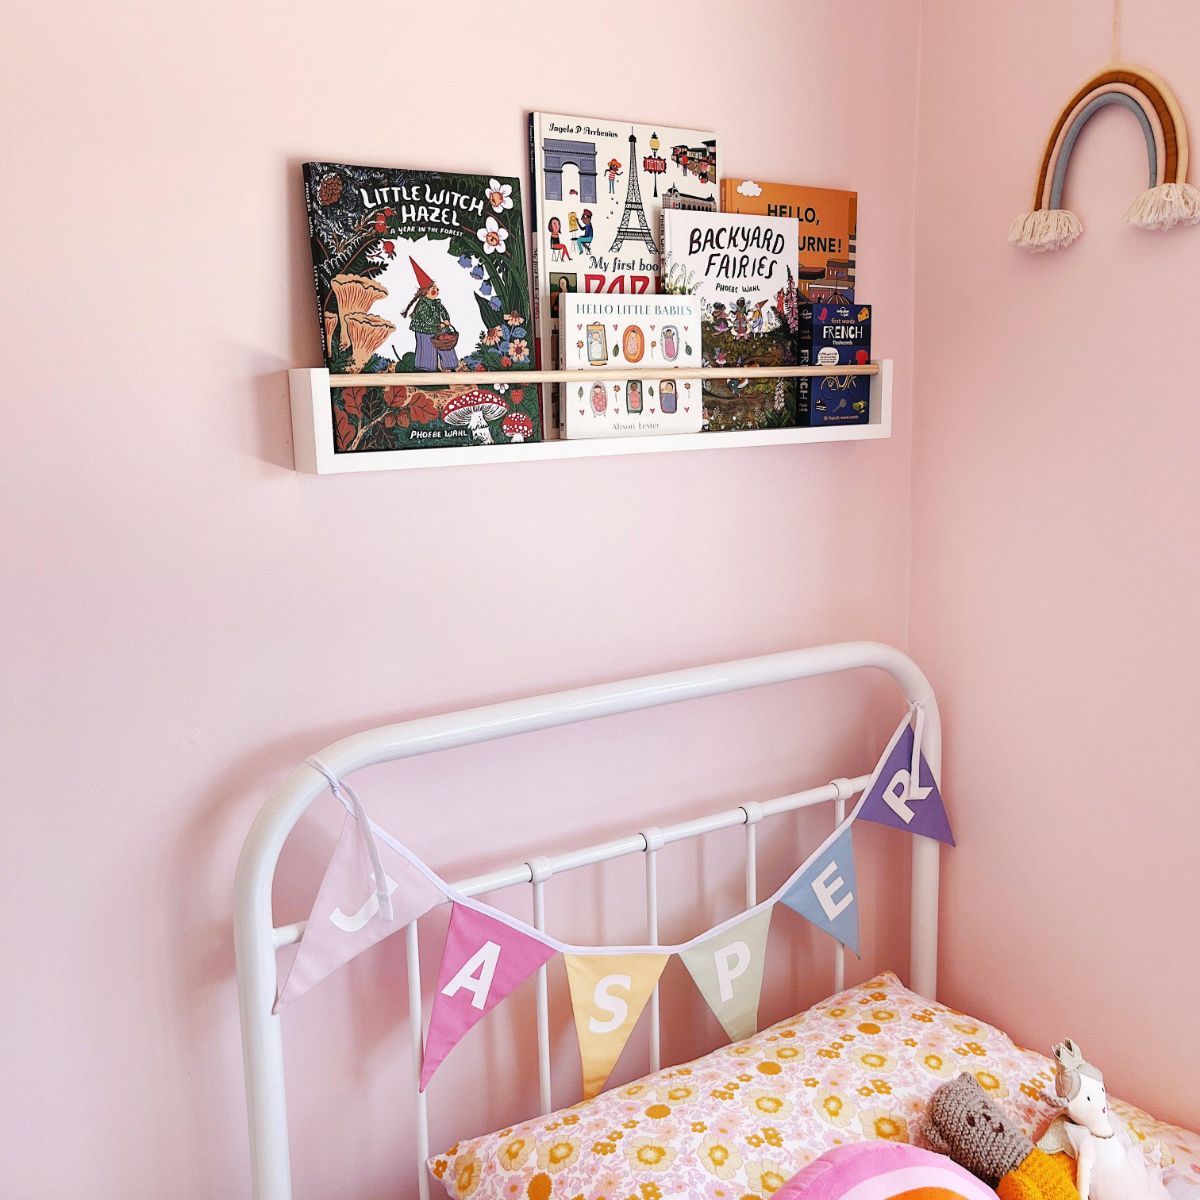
x=834 y=335
x=828 y=230
x=598 y=188
x=743 y=270
x=422 y=271
x=601 y=334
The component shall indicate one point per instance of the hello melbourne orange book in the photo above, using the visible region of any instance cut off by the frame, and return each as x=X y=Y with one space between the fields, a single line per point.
x=828 y=229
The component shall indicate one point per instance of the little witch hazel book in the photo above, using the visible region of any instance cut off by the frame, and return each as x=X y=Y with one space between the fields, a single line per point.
x=602 y=334
x=422 y=271
x=743 y=271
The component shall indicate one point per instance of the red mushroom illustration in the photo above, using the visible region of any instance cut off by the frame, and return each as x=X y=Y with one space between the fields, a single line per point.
x=474 y=410
x=517 y=426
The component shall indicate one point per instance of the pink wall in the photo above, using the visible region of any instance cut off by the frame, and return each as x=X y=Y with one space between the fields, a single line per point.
x=1056 y=511
x=190 y=617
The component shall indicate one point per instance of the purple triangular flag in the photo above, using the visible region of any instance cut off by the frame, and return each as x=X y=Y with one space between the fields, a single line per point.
x=890 y=799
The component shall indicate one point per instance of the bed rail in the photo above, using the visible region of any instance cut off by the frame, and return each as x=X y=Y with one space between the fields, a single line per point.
x=257 y=939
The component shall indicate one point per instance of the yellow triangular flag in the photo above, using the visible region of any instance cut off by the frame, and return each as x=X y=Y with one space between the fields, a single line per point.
x=608 y=993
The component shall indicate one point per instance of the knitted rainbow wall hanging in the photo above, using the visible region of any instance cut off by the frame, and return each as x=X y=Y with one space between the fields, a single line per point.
x=1168 y=199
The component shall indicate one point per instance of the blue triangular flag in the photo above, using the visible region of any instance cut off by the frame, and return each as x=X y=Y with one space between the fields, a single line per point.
x=826 y=890
x=890 y=798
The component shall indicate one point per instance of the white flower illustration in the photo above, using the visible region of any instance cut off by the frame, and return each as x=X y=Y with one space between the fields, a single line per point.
x=499 y=195
x=492 y=237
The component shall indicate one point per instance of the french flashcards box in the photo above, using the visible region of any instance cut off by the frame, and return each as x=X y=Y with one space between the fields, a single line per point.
x=834 y=335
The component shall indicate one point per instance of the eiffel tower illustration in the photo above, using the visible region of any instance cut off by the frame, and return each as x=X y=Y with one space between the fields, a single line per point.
x=634 y=226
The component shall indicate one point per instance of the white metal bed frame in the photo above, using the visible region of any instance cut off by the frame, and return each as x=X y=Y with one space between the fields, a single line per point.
x=258 y=939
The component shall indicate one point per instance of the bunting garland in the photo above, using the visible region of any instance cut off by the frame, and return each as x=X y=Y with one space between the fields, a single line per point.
x=488 y=954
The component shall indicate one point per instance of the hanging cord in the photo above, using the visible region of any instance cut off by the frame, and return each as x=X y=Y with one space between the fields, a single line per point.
x=918 y=711
x=1116 y=31
x=349 y=798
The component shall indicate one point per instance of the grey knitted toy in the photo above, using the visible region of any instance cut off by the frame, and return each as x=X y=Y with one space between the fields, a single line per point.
x=962 y=1124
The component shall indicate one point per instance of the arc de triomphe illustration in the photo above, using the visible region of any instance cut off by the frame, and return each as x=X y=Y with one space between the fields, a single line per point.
x=561 y=152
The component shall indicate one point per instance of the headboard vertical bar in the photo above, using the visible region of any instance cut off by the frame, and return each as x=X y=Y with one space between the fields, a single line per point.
x=416 y=1021
x=926 y=869
x=539 y=870
x=754 y=813
x=751 y=866
x=654 y=841
x=839 y=952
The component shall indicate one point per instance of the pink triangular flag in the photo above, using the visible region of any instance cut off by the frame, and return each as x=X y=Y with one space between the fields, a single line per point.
x=483 y=960
x=345 y=918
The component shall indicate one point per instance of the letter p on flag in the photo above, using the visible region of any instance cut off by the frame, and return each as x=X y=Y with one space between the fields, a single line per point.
x=728 y=969
x=483 y=960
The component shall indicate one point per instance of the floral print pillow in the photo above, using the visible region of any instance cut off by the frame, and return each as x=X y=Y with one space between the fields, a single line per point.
x=739 y=1122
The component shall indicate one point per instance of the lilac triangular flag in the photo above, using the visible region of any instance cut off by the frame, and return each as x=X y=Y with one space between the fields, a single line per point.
x=483 y=960
x=825 y=891
x=890 y=799
x=345 y=918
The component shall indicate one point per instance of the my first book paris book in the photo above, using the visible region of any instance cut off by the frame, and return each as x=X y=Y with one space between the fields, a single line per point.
x=598 y=190
x=422 y=271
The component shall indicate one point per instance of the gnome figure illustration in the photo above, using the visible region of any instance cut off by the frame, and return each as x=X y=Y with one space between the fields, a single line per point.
x=431 y=325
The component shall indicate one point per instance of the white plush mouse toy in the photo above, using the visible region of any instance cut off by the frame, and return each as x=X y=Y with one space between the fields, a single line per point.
x=1109 y=1165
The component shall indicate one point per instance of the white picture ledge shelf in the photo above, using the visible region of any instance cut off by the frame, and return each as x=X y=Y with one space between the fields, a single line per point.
x=312 y=423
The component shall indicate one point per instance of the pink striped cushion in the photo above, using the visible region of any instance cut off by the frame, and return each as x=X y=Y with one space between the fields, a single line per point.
x=880 y=1171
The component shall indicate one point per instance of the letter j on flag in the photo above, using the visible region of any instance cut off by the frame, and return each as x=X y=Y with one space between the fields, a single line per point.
x=483 y=960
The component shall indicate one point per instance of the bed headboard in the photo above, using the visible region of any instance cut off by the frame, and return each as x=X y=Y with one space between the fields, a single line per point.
x=258 y=939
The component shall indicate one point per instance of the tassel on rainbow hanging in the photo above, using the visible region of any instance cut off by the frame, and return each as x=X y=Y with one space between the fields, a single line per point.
x=1168 y=199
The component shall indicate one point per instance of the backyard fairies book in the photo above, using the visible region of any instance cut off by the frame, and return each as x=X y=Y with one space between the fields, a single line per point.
x=422 y=271
x=743 y=270
x=598 y=190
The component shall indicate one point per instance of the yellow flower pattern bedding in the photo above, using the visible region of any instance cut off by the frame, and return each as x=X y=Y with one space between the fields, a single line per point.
x=739 y=1122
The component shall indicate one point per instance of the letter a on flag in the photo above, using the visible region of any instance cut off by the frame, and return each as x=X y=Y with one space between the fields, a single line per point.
x=345 y=918
x=826 y=890
x=484 y=959
x=728 y=970
x=608 y=993
x=891 y=797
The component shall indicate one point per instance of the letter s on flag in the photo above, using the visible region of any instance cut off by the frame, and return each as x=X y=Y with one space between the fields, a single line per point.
x=607 y=1002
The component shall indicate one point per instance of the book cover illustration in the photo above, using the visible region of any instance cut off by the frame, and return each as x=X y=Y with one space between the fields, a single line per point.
x=597 y=193
x=828 y=220
x=743 y=271
x=422 y=271
x=599 y=335
x=834 y=335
